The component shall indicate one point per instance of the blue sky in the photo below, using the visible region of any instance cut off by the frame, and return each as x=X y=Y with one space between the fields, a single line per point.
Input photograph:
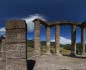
x=51 y=10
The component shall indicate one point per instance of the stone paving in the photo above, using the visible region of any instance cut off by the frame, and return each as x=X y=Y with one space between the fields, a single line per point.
x=53 y=62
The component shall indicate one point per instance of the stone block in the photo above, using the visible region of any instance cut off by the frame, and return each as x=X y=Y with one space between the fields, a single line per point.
x=16 y=64
x=16 y=51
x=2 y=64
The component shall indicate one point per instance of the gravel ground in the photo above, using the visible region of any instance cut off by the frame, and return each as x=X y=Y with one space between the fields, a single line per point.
x=53 y=62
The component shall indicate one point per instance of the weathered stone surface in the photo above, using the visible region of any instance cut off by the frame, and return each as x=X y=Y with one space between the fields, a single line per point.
x=16 y=64
x=16 y=50
x=16 y=35
x=15 y=24
x=2 y=64
x=2 y=45
x=2 y=55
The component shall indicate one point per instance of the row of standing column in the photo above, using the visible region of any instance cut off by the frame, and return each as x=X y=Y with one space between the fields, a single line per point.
x=37 y=44
x=73 y=46
x=73 y=39
x=57 y=39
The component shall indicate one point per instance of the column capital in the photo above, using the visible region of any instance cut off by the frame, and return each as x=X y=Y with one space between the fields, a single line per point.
x=37 y=21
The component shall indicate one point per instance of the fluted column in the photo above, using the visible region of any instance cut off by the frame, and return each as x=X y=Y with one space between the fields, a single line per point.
x=48 y=39
x=73 y=39
x=57 y=39
x=82 y=40
x=37 y=38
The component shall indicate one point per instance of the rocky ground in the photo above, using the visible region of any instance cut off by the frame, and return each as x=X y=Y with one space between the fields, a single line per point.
x=53 y=62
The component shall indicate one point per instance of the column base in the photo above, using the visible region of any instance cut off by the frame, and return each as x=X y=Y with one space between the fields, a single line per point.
x=72 y=54
x=36 y=53
x=48 y=53
x=58 y=53
x=83 y=54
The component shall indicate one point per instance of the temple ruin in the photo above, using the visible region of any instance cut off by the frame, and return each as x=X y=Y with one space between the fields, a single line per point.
x=57 y=25
x=13 y=49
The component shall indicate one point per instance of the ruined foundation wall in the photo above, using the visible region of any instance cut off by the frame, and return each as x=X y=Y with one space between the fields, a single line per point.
x=2 y=55
x=16 y=45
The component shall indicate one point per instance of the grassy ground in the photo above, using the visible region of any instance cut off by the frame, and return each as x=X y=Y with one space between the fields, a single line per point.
x=43 y=51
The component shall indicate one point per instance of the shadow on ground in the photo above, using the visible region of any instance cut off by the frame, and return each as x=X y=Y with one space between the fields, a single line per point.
x=30 y=64
x=73 y=56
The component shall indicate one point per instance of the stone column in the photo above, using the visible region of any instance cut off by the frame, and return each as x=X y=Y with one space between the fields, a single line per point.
x=73 y=40
x=57 y=40
x=37 y=44
x=48 y=39
x=82 y=41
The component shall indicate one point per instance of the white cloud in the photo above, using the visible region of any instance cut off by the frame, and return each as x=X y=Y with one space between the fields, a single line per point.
x=30 y=23
x=2 y=31
x=63 y=40
x=30 y=26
